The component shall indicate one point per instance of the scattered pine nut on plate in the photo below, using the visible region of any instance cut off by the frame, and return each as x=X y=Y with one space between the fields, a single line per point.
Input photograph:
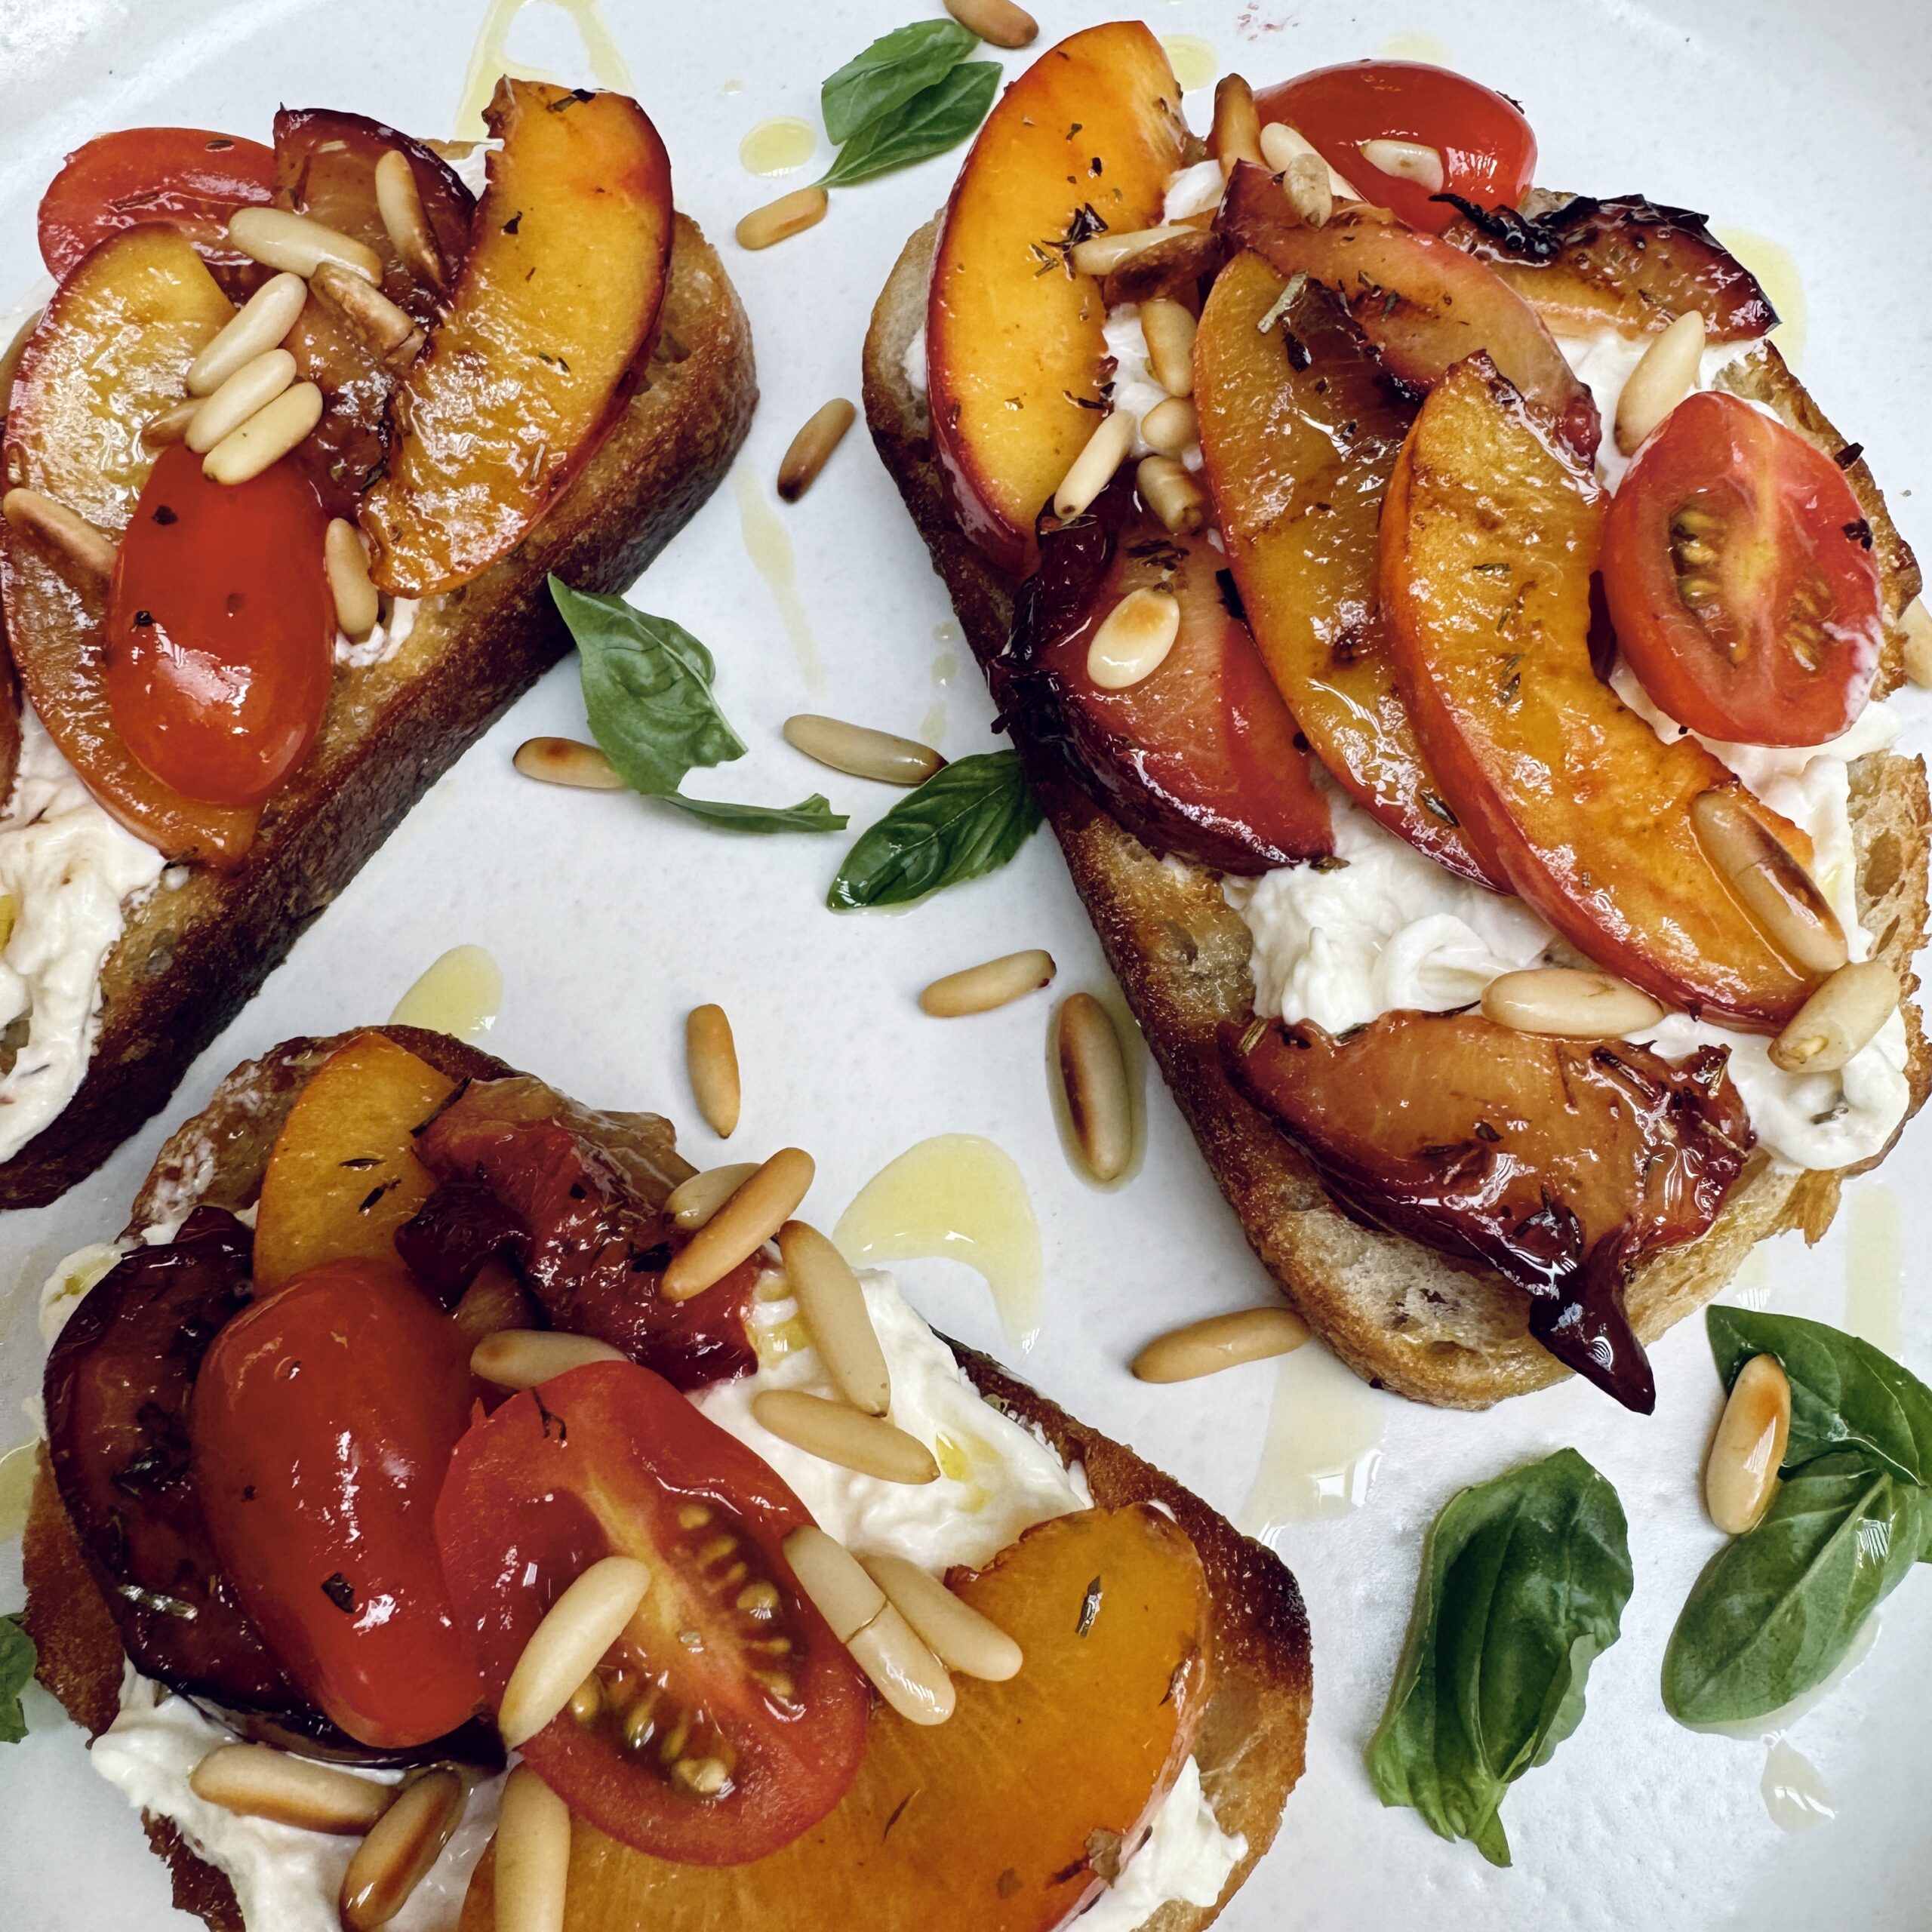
x=859 y=752
x=999 y=22
x=811 y=448
x=996 y=983
x=712 y=1056
x=778 y=221
x=1218 y=1342
x=566 y=761
x=1093 y=1072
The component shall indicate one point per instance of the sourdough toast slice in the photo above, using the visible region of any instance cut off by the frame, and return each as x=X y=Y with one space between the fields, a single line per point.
x=1253 y=1733
x=189 y=958
x=1400 y=1316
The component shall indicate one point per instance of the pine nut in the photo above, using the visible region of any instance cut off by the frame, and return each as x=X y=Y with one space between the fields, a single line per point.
x=1237 y=130
x=1280 y=144
x=903 y=1671
x=999 y=22
x=567 y=1646
x=252 y=387
x=358 y=608
x=170 y=426
x=77 y=541
x=811 y=448
x=1741 y=1475
x=1220 y=1341
x=533 y=1855
x=257 y=326
x=1168 y=330
x=711 y=1056
x=566 y=761
x=399 y=202
x=1773 y=888
x=776 y=221
x=521 y=1357
x=953 y=1631
x=694 y=1200
x=980 y=988
x=1665 y=373
x=742 y=1226
x=1171 y=428
x=1101 y=254
x=1133 y=639
x=861 y=753
x=257 y=1781
x=1093 y=1072
x=406 y=1841
x=834 y=1306
x=390 y=331
x=829 y=1574
x=1305 y=182
x=1842 y=1018
x=835 y=1432
x=1916 y=623
x=1093 y=469
x=266 y=438
x=1172 y=494
x=1407 y=161
x=280 y=240
x=1567 y=1003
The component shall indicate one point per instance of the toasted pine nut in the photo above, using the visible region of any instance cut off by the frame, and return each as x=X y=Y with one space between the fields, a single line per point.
x=904 y=1672
x=1916 y=622
x=999 y=22
x=1220 y=1341
x=776 y=221
x=1168 y=329
x=954 y=1631
x=266 y=438
x=1407 y=161
x=566 y=761
x=258 y=1781
x=1172 y=493
x=1237 y=130
x=1093 y=1072
x=399 y=202
x=1572 y=1004
x=406 y=1842
x=170 y=426
x=995 y=983
x=711 y=1056
x=834 y=1306
x=252 y=387
x=860 y=751
x=1169 y=428
x=1665 y=373
x=1780 y=896
x=1280 y=144
x=357 y=606
x=1101 y=254
x=390 y=331
x=565 y=1647
x=1133 y=638
x=835 y=1432
x=693 y=1201
x=742 y=1226
x=829 y=1574
x=1093 y=469
x=533 y=1854
x=521 y=1357
x=1741 y=1474
x=61 y=529
x=1305 y=182
x=258 y=325
x=811 y=448
x=1840 y=1018
x=280 y=240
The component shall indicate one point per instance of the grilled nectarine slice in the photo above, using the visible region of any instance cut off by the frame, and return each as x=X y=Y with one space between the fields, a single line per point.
x=1489 y=533
x=549 y=329
x=1083 y=142
x=1300 y=428
x=1008 y=1817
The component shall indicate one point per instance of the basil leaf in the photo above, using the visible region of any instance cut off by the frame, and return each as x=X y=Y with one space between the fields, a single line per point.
x=17 y=1658
x=936 y=118
x=969 y=817
x=894 y=68
x=1777 y=1608
x=1845 y=1393
x=813 y=814
x=1523 y=1582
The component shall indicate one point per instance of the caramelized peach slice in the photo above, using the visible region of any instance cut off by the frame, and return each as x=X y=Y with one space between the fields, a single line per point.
x=1300 y=429
x=549 y=329
x=1558 y=1163
x=1007 y=1818
x=10 y=690
x=1083 y=142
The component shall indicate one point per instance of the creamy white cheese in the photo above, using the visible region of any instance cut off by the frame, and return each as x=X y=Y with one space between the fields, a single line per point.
x=1604 y=359
x=384 y=642
x=1186 y=1855
x=1134 y=388
x=1193 y=191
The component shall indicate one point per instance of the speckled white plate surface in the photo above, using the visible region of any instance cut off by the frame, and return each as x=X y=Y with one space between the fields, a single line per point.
x=610 y=918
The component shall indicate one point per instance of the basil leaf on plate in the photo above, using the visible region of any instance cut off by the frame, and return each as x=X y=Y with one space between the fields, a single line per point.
x=894 y=68
x=812 y=814
x=969 y=817
x=1777 y=1608
x=1523 y=1582
x=936 y=118
x=16 y=1662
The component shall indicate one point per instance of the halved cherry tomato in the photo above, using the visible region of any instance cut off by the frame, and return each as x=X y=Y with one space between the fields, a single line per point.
x=1488 y=151
x=186 y=176
x=323 y=1422
x=1738 y=569
x=220 y=631
x=727 y=1660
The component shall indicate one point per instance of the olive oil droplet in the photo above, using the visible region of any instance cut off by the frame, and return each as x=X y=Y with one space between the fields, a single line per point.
x=781 y=146
x=460 y=994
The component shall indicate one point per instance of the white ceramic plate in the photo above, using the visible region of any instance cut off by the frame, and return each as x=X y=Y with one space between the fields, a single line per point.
x=610 y=918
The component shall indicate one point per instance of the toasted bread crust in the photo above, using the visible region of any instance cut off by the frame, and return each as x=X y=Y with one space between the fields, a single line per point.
x=1400 y=1316
x=188 y=959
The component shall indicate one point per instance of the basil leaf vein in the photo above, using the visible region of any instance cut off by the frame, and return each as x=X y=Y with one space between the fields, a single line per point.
x=937 y=117
x=17 y=1658
x=889 y=73
x=969 y=818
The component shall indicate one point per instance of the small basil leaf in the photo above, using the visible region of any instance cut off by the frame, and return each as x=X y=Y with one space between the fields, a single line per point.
x=17 y=1658
x=969 y=817
x=814 y=814
x=889 y=72
x=1523 y=1585
x=936 y=118
x=1777 y=1608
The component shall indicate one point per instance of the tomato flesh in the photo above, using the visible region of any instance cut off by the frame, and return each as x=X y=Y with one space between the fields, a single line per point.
x=1738 y=571
x=610 y=1459
x=220 y=631
x=1488 y=150
x=323 y=1422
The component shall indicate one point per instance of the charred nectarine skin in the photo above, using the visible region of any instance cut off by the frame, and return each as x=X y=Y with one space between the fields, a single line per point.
x=1083 y=142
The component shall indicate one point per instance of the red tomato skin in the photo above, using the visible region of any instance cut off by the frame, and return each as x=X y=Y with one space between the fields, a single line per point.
x=597 y=1463
x=220 y=634
x=1488 y=150
x=1744 y=463
x=323 y=1422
